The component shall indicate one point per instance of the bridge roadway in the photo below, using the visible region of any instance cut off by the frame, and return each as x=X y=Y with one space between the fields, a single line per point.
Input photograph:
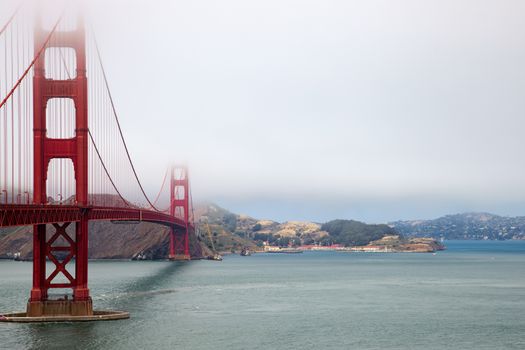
x=33 y=214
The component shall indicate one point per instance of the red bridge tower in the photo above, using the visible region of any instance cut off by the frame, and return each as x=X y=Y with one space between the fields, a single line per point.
x=180 y=207
x=45 y=149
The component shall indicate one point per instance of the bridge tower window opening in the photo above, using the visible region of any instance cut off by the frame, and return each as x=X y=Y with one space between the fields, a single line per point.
x=61 y=184
x=60 y=118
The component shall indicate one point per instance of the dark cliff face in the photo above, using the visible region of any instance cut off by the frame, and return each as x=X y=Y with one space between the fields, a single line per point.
x=17 y=240
x=106 y=241
x=124 y=241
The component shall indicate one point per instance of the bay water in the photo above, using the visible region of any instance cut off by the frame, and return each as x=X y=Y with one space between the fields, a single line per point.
x=471 y=296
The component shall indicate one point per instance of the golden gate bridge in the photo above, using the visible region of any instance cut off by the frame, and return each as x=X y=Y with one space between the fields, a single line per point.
x=64 y=161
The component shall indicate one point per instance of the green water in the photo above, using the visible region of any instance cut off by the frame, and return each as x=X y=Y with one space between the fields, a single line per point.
x=469 y=297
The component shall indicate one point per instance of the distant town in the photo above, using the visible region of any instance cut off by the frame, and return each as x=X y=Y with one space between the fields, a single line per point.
x=465 y=226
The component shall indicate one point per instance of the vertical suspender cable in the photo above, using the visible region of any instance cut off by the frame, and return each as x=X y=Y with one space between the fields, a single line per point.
x=118 y=125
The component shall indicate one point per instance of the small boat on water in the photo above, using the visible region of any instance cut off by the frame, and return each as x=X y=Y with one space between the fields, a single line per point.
x=246 y=252
x=216 y=257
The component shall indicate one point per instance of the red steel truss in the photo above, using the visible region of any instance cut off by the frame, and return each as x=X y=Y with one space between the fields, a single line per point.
x=25 y=215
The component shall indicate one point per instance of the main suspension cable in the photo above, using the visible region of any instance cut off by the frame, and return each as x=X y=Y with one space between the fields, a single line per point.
x=10 y=20
x=37 y=56
x=106 y=170
x=118 y=125
x=94 y=143
x=161 y=187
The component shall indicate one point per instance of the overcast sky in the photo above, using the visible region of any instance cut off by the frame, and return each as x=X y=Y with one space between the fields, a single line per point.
x=373 y=110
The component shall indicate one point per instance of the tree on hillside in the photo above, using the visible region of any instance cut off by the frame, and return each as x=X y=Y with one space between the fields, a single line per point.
x=350 y=232
x=230 y=220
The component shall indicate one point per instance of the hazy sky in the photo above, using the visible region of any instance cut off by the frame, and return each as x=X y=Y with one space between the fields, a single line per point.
x=318 y=109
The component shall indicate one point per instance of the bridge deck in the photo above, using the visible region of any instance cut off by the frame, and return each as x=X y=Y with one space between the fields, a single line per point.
x=25 y=215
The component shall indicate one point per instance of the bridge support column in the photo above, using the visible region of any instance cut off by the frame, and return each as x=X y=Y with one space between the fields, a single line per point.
x=60 y=249
x=39 y=292
x=81 y=291
x=179 y=245
x=82 y=304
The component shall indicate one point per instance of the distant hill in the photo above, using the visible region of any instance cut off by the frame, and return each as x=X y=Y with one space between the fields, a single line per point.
x=228 y=228
x=465 y=226
x=224 y=228
x=233 y=231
